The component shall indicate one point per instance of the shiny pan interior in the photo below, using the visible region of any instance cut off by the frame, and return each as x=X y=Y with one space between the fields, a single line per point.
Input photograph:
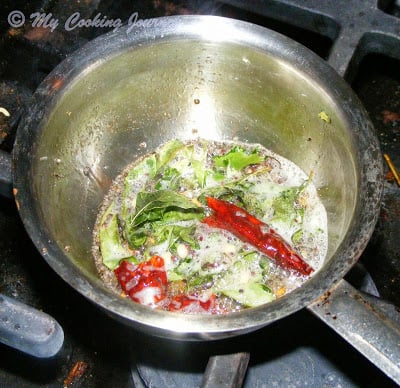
x=127 y=92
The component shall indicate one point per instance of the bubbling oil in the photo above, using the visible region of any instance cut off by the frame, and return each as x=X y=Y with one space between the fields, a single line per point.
x=219 y=249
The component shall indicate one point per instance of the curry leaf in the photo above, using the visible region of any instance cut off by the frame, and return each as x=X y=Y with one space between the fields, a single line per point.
x=244 y=283
x=286 y=206
x=146 y=168
x=167 y=152
x=237 y=158
x=111 y=246
x=251 y=295
x=155 y=214
x=183 y=234
x=152 y=205
x=169 y=179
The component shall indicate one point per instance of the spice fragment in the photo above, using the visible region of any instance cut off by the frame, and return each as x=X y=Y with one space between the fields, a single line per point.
x=389 y=117
x=76 y=373
x=324 y=117
x=5 y=112
x=392 y=168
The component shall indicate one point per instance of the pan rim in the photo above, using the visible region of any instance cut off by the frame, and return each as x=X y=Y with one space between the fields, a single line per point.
x=184 y=326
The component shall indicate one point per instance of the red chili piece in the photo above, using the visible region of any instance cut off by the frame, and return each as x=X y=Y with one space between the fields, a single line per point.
x=187 y=303
x=145 y=283
x=255 y=232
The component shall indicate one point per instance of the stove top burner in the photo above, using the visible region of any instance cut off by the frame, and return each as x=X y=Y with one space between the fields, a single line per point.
x=355 y=28
x=362 y=43
x=297 y=351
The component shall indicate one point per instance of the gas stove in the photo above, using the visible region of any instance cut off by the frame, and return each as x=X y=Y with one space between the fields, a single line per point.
x=361 y=40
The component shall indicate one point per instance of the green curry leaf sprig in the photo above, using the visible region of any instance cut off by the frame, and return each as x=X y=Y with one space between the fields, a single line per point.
x=156 y=215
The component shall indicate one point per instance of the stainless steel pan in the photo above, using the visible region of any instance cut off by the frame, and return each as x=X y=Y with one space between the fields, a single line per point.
x=125 y=93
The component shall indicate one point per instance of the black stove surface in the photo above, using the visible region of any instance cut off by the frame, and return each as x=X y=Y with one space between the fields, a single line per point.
x=296 y=351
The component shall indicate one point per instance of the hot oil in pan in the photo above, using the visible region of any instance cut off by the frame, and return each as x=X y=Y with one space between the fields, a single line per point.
x=200 y=260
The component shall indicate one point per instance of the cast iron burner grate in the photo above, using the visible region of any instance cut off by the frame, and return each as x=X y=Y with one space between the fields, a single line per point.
x=361 y=40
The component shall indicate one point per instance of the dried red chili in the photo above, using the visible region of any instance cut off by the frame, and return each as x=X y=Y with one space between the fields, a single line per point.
x=187 y=303
x=255 y=232
x=145 y=283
